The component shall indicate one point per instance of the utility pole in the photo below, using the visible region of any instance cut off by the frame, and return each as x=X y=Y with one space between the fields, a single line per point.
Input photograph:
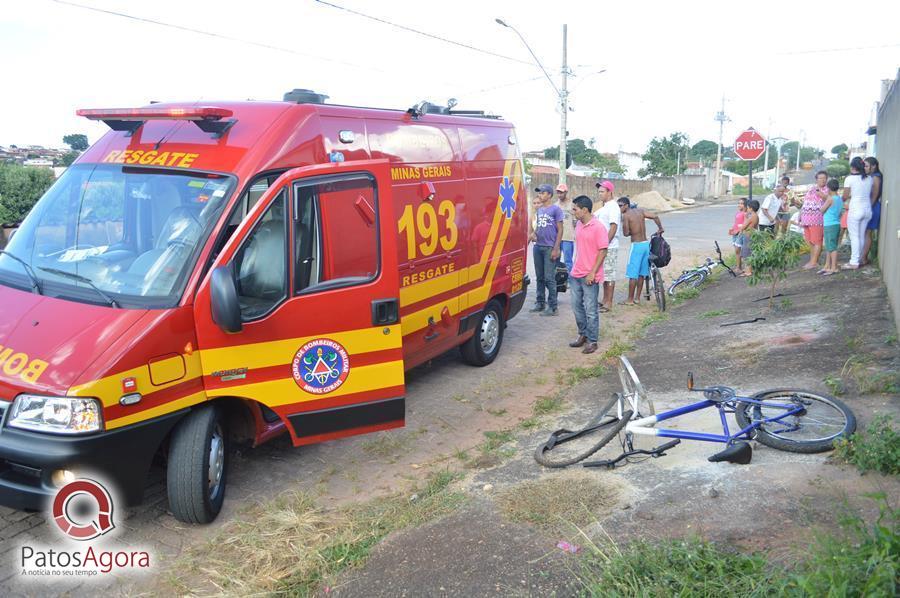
x=799 y=145
x=720 y=116
x=564 y=109
x=766 y=159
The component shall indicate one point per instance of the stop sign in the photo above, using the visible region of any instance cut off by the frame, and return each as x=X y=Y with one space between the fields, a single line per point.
x=749 y=145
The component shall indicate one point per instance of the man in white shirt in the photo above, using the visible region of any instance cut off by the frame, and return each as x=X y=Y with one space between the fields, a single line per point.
x=611 y=217
x=768 y=211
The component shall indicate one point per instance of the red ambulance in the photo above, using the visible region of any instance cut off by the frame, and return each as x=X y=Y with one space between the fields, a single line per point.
x=212 y=273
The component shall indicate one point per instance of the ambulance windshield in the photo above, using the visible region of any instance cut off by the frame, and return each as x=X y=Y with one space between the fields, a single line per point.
x=128 y=234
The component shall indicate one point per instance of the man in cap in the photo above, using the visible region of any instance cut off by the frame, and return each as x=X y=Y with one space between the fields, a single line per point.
x=547 y=236
x=611 y=217
x=567 y=245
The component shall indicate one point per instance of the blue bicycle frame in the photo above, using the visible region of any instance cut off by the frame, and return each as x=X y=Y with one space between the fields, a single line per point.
x=640 y=426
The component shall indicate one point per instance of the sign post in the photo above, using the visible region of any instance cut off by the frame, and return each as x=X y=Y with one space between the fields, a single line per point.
x=749 y=146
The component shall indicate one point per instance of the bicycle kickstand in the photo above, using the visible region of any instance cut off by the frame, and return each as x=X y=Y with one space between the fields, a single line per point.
x=659 y=451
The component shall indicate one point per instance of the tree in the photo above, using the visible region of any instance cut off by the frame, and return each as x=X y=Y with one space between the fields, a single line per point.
x=20 y=188
x=738 y=166
x=77 y=141
x=838 y=169
x=771 y=257
x=661 y=157
x=705 y=150
x=840 y=151
x=67 y=158
x=580 y=153
x=807 y=154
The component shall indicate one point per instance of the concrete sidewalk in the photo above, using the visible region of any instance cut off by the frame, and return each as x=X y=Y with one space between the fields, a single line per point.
x=773 y=504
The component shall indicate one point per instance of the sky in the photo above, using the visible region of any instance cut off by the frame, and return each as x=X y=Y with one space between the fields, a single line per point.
x=787 y=69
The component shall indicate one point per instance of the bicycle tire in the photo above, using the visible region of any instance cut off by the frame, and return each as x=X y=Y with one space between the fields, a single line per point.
x=633 y=392
x=608 y=432
x=845 y=421
x=659 y=289
x=694 y=279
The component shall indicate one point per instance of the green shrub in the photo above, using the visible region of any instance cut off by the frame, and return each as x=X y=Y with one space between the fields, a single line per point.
x=20 y=188
x=875 y=449
x=771 y=257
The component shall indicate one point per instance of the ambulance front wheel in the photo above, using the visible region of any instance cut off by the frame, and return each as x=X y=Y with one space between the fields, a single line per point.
x=484 y=346
x=198 y=466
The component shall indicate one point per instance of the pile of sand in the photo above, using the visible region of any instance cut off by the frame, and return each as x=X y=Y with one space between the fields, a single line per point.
x=654 y=201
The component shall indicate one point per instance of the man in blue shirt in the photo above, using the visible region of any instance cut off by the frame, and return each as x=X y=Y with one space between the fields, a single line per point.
x=546 y=234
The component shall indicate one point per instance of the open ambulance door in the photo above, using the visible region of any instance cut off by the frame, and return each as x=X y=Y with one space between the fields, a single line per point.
x=300 y=311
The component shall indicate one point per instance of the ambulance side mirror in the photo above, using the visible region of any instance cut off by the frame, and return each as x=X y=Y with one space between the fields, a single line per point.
x=226 y=310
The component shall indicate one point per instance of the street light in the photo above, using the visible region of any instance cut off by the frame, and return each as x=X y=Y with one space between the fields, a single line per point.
x=563 y=95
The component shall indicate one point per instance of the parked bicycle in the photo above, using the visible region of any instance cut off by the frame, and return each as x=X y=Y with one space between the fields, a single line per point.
x=695 y=277
x=654 y=281
x=794 y=420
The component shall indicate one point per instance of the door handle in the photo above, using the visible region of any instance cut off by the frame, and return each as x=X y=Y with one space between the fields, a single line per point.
x=385 y=312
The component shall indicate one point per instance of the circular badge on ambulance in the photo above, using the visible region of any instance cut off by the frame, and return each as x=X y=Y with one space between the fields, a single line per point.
x=320 y=366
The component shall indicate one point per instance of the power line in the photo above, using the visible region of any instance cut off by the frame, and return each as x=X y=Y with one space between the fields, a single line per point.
x=213 y=34
x=423 y=33
x=828 y=50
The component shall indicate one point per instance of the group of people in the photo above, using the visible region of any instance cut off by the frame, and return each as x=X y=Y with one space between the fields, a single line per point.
x=825 y=213
x=587 y=243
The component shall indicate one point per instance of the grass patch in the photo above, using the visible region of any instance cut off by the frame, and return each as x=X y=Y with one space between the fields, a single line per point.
x=875 y=449
x=617 y=349
x=496 y=439
x=560 y=501
x=682 y=295
x=859 y=560
x=576 y=374
x=786 y=304
x=714 y=313
x=386 y=444
x=890 y=339
x=293 y=546
x=528 y=424
x=650 y=319
x=547 y=405
x=835 y=384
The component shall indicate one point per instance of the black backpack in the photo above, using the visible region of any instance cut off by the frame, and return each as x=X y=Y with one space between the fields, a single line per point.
x=562 y=278
x=660 y=252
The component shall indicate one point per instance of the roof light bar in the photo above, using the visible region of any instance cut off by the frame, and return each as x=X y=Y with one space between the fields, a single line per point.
x=207 y=118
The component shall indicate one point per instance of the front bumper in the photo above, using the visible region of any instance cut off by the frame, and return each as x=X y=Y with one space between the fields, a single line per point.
x=123 y=456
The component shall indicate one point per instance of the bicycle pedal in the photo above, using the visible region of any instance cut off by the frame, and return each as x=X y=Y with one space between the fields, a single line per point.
x=740 y=452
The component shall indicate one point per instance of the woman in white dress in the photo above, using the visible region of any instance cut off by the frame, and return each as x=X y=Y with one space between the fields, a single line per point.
x=858 y=190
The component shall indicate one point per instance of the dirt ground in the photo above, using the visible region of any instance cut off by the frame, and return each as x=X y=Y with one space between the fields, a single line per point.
x=776 y=503
x=450 y=407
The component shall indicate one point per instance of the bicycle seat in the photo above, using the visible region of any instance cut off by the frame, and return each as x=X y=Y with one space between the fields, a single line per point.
x=718 y=394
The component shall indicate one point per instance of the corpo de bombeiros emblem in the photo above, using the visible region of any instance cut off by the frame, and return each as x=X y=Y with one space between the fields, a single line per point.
x=320 y=366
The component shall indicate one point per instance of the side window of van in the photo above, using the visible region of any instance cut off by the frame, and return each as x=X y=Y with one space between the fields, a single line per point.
x=260 y=265
x=335 y=233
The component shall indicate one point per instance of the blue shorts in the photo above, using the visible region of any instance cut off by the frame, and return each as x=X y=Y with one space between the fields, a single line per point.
x=639 y=260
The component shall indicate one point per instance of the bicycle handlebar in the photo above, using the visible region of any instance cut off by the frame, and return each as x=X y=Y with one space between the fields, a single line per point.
x=722 y=261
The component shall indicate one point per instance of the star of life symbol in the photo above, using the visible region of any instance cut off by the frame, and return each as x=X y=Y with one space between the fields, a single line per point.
x=508 y=195
x=320 y=366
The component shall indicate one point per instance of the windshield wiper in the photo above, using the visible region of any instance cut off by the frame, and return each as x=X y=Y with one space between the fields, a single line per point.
x=35 y=285
x=80 y=278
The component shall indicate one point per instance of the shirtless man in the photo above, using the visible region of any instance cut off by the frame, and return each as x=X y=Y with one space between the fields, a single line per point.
x=638 y=261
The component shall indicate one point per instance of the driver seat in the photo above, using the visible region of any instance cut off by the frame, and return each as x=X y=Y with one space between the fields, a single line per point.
x=181 y=226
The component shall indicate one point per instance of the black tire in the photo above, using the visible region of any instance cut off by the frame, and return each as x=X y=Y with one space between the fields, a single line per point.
x=842 y=421
x=607 y=432
x=691 y=279
x=193 y=496
x=484 y=346
x=659 y=289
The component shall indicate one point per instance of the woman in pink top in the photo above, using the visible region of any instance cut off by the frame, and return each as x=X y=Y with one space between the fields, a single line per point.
x=734 y=231
x=811 y=218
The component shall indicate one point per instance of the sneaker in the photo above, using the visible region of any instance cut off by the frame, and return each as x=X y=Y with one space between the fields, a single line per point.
x=537 y=307
x=589 y=348
x=550 y=311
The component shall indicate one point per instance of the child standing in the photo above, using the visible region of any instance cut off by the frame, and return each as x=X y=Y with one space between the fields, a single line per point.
x=831 y=211
x=751 y=221
x=735 y=229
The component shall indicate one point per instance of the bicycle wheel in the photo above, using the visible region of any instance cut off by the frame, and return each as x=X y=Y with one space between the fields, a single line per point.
x=569 y=452
x=814 y=430
x=659 y=289
x=692 y=279
x=633 y=391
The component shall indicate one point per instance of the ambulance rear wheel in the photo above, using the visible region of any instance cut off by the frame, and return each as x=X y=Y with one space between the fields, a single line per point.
x=198 y=466
x=484 y=346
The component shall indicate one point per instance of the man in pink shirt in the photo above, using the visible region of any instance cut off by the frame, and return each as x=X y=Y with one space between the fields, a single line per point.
x=586 y=277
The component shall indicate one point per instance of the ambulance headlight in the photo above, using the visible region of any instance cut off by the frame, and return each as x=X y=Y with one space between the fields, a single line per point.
x=63 y=415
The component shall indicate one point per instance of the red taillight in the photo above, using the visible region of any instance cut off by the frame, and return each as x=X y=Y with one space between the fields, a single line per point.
x=144 y=114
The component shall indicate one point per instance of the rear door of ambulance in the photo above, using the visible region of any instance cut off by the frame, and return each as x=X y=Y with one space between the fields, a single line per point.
x=314 y=266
